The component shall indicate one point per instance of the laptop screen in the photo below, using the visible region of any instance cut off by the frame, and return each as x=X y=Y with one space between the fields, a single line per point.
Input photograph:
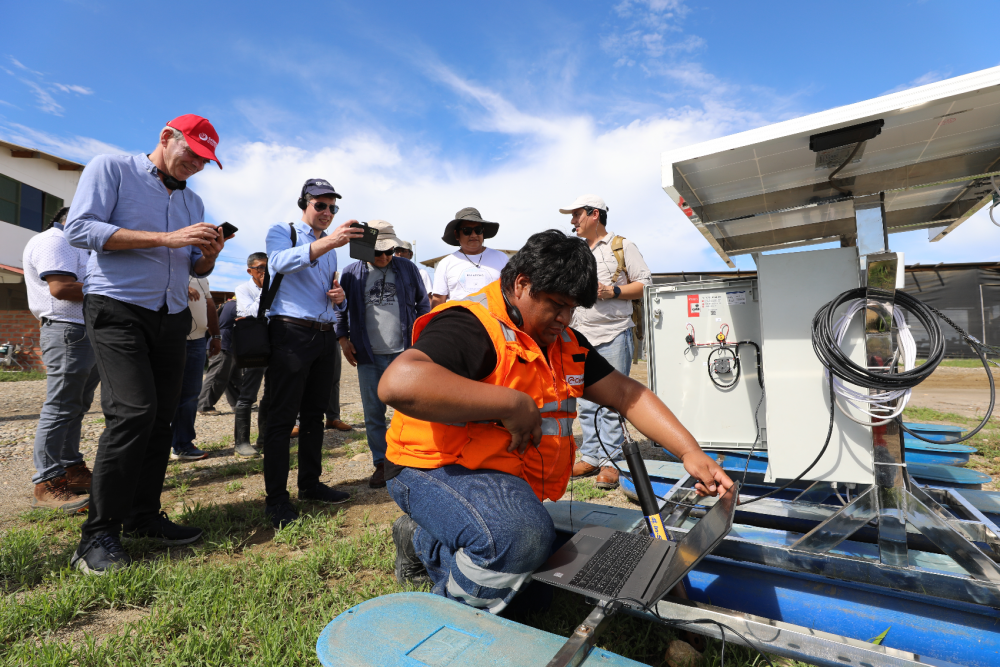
x=700 y=541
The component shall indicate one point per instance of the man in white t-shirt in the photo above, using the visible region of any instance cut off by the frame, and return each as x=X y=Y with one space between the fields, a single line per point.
x=54 y=272
x=473 y=266
x=204 y=321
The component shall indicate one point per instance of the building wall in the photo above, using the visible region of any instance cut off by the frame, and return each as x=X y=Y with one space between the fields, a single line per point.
x=16 y=325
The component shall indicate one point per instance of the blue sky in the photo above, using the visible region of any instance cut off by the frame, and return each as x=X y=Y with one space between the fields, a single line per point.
x=415 y=110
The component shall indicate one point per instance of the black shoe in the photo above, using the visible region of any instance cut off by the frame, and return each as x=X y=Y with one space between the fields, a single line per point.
x=102 y=553
x=166 y=532
x=322 y=493
x=408 y=565
x=282 y=514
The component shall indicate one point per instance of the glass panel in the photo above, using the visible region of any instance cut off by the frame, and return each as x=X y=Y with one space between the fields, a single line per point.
x=32 y=207
x=52 y=206
x=8 y=212
x=8 y=192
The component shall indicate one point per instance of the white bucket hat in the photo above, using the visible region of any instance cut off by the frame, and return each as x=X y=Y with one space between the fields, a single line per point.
x=386 y=235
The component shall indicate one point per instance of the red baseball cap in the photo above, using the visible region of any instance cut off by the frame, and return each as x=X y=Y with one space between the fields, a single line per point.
x=201 y=136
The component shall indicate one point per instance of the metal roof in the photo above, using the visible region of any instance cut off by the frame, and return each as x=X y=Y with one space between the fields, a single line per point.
x=27 y=152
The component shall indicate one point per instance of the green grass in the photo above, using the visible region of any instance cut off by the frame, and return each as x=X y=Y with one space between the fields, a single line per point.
x=584 y=490
x=21 y=376
x=244 y=595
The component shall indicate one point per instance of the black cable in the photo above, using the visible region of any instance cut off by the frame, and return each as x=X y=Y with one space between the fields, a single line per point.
x=736 y=366
x=837 y=362
x=829 y=435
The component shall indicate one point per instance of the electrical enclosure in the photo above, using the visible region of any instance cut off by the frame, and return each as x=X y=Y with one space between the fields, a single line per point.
x=678 y=372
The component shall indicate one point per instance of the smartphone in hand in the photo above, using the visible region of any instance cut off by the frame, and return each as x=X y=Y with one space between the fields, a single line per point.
x=364 y=248
x=228 y=230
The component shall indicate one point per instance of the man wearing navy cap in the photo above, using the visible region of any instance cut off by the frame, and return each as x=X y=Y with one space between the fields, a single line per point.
x=146 y=235
x=303 y=345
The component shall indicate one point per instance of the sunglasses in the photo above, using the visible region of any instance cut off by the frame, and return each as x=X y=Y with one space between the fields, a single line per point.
x=379 y=253
x=469 y=231
x=322 y=206
x=262 y=267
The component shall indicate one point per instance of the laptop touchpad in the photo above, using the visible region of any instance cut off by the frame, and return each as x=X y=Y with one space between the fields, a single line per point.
x=588 y=545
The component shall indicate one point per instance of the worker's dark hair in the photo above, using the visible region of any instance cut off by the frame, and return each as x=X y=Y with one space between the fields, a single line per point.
x=555 y=263
x=256 y=257
x=60 y=216
x=602 y=216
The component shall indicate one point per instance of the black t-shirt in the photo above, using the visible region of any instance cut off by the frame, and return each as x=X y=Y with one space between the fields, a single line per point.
x=457 y=340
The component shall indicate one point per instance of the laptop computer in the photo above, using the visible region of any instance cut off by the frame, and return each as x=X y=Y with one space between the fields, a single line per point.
x=637 y=569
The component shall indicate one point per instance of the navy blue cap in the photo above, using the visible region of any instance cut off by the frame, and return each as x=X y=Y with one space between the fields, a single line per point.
x=317 y=187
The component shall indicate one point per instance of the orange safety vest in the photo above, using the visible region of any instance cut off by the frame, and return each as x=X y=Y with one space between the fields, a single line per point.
x=555 y=384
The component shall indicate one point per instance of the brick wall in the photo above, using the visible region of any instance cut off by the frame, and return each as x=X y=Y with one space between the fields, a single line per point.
x=15 y=324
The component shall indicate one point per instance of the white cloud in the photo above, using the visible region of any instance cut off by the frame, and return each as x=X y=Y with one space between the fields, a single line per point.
x=43 y=90
x=72 y=148
x=419 y=190
x=72 y=88
x=922 y=80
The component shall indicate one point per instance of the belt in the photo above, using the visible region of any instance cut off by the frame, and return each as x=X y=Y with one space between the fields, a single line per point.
x=321 y=326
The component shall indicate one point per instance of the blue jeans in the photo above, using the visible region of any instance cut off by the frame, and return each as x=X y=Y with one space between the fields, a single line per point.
x=481 y=533
x=618 y=352
x=369 y=376
x=187 y=408
x=70 y=384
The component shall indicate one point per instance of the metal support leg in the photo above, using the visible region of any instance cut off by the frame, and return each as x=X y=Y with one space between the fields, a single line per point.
x=840 y=526
x=577 y=647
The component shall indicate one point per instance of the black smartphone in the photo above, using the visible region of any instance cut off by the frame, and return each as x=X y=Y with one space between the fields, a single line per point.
x=228 y=229
x=364 y=248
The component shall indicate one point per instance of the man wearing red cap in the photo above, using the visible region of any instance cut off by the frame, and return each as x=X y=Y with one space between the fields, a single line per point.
x=147 y=235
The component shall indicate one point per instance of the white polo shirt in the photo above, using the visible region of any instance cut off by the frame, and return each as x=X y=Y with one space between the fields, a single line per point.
x=50 y=254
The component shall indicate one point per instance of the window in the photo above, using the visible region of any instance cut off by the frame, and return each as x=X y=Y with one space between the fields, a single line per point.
x=25 y=206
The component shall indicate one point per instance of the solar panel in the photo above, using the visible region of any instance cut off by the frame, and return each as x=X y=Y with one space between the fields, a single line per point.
x=764 y=189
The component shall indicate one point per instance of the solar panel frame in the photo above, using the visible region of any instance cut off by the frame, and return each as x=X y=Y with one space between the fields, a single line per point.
x=765 y=189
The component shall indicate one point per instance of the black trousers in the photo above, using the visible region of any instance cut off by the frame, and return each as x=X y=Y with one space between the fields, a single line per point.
x=222 y=377
x=249 y=386
x=141 y=356
x=297 y=382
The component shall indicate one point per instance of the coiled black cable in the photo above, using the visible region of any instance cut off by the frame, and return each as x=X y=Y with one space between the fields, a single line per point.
x=831 y=355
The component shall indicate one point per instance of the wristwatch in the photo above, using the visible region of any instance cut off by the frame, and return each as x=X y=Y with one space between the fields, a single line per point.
x=618 y=291
x=217 y=337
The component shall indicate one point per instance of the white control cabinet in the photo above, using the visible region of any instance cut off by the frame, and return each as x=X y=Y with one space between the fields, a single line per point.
x=678 y=372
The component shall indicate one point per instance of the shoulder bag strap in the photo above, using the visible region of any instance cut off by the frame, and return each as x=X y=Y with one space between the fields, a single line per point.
x=270 y=290
x=618 y=249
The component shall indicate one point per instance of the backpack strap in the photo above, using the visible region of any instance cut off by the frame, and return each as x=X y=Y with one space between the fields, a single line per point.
x=269 y=290
x=618 y=249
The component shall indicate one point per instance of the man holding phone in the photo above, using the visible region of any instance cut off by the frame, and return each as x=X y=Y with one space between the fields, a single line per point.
x=303 y=345
x=146 y=233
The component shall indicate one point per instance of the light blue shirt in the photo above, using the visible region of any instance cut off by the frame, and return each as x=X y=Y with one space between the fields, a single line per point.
x=124 y=192
x=303 y=290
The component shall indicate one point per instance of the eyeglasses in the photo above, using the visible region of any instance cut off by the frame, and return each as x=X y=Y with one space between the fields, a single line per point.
x=469 y=231
x=379 y=253
x=262 y=267
x=322 y=206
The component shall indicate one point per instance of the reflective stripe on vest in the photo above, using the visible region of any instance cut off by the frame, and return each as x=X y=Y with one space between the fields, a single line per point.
x=557 y=426
x=568 y=405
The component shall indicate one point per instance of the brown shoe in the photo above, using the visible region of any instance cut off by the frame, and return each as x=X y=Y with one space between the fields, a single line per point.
x=583 y=469
x=78 y=478
x=337 y=424
x=377 y=480
x=608 y=479
x=295 y=432
x=55 y=493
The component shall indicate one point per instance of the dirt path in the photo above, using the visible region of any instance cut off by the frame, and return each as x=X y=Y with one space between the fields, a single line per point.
x=348 y=464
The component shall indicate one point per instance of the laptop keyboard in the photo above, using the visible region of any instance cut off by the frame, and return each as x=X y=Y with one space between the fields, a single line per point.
x=608 y=570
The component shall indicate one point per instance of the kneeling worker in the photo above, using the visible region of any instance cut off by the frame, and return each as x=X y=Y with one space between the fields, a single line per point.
x=485 y=401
